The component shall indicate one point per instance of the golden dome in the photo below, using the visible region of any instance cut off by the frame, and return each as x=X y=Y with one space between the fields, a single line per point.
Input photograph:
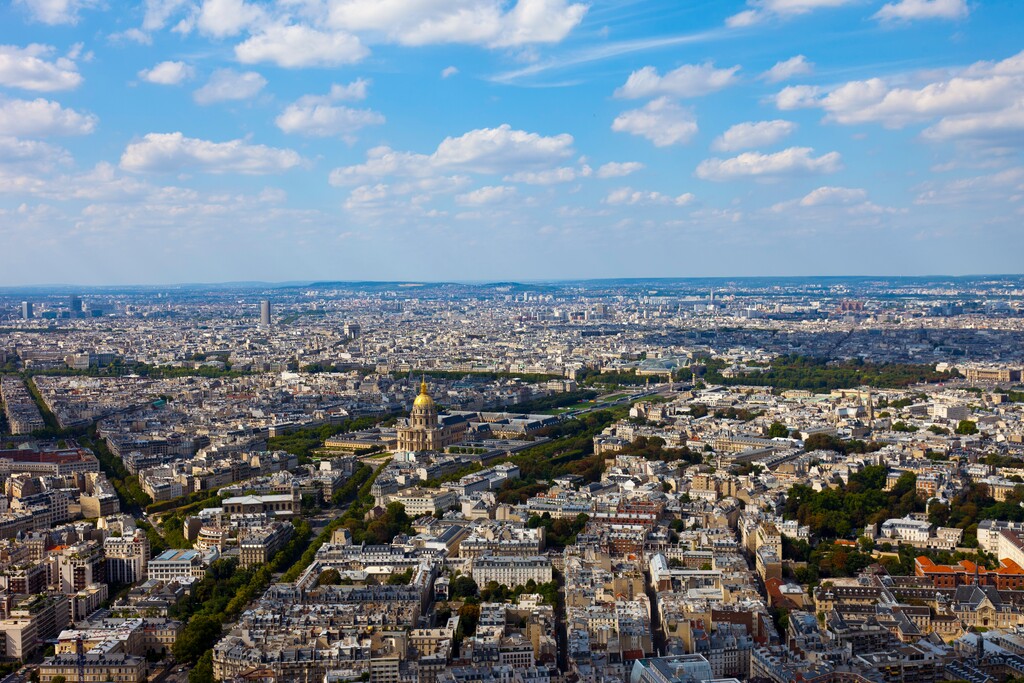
x=423 y=400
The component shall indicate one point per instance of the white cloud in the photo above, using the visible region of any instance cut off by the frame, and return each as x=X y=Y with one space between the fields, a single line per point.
x=476 y=22
x=223 y=18
x=449 y=71
x=765 y=9
x=295 y=46
x=354 y=91
x=134 y=35
x=167 y=73
x=492 y=150
x=158 y=12
x=172 y=152
x=753 y=134
x=661 y=121
x=615 y=169
x=495 y=194
x=322 y=119
x=29 y=69
x=31 y=156
x=55 y=11
x=827 y=203
x=797 y=97
x=554 y=176
x=1007 y=184
x=486 y=150
x=787 y=69
x=42 y=118
x=320 y=116
x=792 y=161
x=1004 y=126
x=909 y=10
x=229 y=85
x=630 y=197
x=689 y=80
x=834 y=196
x=984 y=100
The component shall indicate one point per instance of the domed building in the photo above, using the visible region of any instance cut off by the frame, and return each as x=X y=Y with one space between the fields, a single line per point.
x=425 y=431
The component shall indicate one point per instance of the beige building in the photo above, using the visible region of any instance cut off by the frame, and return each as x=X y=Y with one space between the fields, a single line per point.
x=423 y=431
x=32 y=622
x=114 y=667
x=511 y=571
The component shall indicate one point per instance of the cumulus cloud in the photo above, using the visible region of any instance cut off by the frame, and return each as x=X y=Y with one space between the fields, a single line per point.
x=615 y=169
x=797 y=97
x=296 y=46
x=792 y=161
x=158 y=12
x=477 y=22
x=661 y=121
x=173 y=152
x=834 y=196
x=492 y=150
x=167 y=73
x=787 y=69
x=826 y=203
x=449 y=71
x=319 y=116
x=1000 y=186
x=564 y=174
x=227 y=85
x=689 y=80
x=354 y=91
x=55 y=11
x=223 y=18
x=495 y=194
x=31 y=156
x=909 y=10
x=43 y=118
x=753 y=134
x=767 y=9
x=30 y=68
x=519 y=156
x=630 y=197
x=1004 y=126
x=984 y=100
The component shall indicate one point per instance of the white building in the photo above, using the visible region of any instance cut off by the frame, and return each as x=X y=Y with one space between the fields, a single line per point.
x=511 y=571
x=172 y=564
x=127 y=557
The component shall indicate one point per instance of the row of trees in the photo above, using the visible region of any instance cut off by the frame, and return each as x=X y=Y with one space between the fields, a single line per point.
x=220 y=598
x=794 y=371
x=125 y=483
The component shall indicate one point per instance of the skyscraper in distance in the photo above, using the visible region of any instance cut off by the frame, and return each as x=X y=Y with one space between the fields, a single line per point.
x=265 y=313
x=26 y=310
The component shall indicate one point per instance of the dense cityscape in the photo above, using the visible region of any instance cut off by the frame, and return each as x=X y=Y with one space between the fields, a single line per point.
x=511 y=341
x=817 y=479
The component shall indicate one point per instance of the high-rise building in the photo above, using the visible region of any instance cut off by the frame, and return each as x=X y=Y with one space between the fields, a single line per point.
x=26 y=310
x=127 y=557
x=265 y=313
x=75 y=304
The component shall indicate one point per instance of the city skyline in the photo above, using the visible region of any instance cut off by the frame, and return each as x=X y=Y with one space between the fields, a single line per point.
x=474 y=141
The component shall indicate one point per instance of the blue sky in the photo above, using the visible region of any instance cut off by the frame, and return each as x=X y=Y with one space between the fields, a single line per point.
x=213 y=140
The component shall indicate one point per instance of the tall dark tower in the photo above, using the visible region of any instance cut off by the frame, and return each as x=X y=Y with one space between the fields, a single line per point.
x=265 y=313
